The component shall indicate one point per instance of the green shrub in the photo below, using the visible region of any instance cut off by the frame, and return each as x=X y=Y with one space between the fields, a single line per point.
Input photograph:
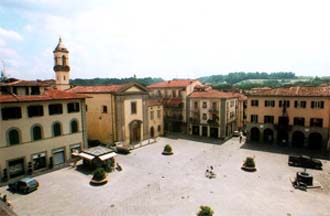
x=205 y=211
x=249 y=162
x=99 y=174
x=167 y=148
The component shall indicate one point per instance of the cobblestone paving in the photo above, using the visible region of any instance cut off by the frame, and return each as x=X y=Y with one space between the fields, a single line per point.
x=152 y=184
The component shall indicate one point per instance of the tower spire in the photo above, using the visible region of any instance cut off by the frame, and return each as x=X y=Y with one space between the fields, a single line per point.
x=62 y=66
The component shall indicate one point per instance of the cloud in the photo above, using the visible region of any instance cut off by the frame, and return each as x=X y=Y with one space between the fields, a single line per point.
x=10 y=34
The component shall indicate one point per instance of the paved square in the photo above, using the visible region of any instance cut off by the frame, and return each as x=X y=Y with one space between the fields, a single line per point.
x=153 y=184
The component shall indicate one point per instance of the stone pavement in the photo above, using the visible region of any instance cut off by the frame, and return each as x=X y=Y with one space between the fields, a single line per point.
x=153 y=184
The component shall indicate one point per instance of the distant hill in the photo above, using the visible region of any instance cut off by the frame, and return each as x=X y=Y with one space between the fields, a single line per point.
x=247 y=80
x=110 y=81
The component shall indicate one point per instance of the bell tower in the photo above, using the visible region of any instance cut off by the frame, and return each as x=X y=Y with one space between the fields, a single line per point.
x=61 y=67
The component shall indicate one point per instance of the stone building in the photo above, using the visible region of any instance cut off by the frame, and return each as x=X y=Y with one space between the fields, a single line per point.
x=119 y=113
x=40 y=125
x=212 y=113
x=294 y=116
x=173 y=95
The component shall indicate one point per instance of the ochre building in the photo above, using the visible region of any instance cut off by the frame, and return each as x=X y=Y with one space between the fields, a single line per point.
x=294 y=116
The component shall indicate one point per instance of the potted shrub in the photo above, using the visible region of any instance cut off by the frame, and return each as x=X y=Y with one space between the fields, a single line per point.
x=99 y=177
x=167 y=150
x=205 y=211
x=249 y=164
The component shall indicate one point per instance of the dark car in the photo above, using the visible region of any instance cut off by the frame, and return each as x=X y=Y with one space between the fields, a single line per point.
x=25 y=185
x=304 y=161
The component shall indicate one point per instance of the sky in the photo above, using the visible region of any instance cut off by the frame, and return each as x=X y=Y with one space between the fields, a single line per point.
x=167 y=39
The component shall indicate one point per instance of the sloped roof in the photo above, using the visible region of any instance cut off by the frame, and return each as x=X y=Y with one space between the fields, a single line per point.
x=50 y=94
x=212 y=94
x=296 y=91
x=25 y=83
x=95 y=89
x=172 y=84
x=105 y=88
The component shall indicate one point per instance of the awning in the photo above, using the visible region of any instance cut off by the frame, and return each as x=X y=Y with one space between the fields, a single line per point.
x=107 y=156
x=86 y=156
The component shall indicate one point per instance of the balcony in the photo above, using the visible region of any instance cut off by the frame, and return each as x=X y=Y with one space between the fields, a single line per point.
x=213 y=122
x=194 y=120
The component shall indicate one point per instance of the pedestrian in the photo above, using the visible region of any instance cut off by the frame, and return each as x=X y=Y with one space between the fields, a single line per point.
x=240 y=138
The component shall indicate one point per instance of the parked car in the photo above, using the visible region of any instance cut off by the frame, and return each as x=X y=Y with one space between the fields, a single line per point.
x=236 y=133
x=25 y=185
x=304 y=161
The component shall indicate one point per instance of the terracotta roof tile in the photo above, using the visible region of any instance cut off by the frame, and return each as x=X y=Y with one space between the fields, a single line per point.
x=172 y=84
x=213 y=94
x=297 y=91
x=50 y=94
x=95 y=89
x=25 y=83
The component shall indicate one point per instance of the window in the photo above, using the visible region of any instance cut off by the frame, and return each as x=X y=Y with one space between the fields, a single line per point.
x=269 y=119
x=13 y=137
x=204 y=116
x=284 y=103
x=269 y=103
x=36 y=110
x=58 y=156
x=86 y=107
x=158 y=114
x=196 y=105
x=63 y=60
x=35 y=90
x=232 y=103
x=300 y=104
x=254 y=118
x=54 y=109
x=57 y=130
x=298 y=121
x=16 y=167
x=73 y=107
x=158 y=128
x=174 y=93
x=104 y=109
x=11 y=113
x=204 y=104
x=74 y=126
x=133 y=107
x=317 y=104
x=254 y=103
x=27 y=91
x=152 y=115
x=15 y=90
x=39 y=161
x=316 y=122
x=36 y=133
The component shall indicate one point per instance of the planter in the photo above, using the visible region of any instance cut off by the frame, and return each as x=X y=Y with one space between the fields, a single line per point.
x=167 y=153
x=99 y=182
x=249 y=169
x=249 y=165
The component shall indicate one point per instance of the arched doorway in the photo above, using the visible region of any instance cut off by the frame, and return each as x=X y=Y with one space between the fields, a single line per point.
x=298 y=139
x=315 y=141
x=135 y=132
x=268 y=136
x=283 y=138
x=152 y=132
x=254 y=134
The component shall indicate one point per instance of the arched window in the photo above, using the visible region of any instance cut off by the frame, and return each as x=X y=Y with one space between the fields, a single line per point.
x=74 y=126
x=57 y=131
x=36 y=133
x=63 y=60
x=13 y=137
